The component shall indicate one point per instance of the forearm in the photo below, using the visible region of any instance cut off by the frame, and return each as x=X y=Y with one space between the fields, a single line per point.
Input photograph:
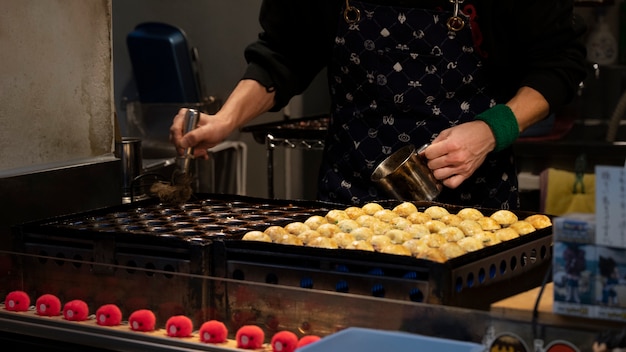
x=248 y=100
x=529 y=107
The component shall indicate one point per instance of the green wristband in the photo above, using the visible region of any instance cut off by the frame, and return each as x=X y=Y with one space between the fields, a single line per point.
x=503 y=124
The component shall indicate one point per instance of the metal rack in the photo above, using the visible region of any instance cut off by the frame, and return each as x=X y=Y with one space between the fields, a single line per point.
x=304 y=133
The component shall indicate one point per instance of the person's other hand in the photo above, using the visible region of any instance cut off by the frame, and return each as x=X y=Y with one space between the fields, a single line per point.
x=458 y=151
x=210 y=131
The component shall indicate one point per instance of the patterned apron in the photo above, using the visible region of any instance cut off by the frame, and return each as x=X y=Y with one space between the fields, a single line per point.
x=399 y=76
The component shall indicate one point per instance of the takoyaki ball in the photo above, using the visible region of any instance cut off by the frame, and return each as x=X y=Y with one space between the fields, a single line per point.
x=256 y=236
x=380 y=227
x=451 y=250
x=452 y=233
x=296 y=228
x=362 y=233
x=488 y=224
x=434 y=240
x=336 y=215
x=451 y=219
x=470 y=214
x=385 y=215
x=275 y=232
x=432 y=254
x=343 y=239
x=323 y=242
x=400 y=223
x=371 y=208
x=506 y=233
x=354 y=212
x=418 y=230
x=470 y=227
x=366 y=220
x=435 y=226
x=470 y=244
x=504 y=217
x=539 y=221
x=522 y=227
x=328 y=229
x=415 y=246
x=348 y=225
x=488 y=238
x=398 y=236
x=289 y=239
x=436 y=212
x=308 y=235
x=405 y=209
x=361 y=245
x=419 y=217
x=313 y=222
x=379 y=241
x=396 y=249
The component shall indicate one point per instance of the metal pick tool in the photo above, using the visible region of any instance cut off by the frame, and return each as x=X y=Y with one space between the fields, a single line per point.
x=180 y=190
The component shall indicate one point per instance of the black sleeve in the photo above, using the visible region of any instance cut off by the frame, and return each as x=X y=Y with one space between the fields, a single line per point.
x=536 y=43
x=294 y=45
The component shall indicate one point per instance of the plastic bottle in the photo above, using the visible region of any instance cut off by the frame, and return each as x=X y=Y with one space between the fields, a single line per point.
x=601 y=44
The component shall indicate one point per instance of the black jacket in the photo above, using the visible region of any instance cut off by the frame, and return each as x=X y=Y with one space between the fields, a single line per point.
x=528 y=43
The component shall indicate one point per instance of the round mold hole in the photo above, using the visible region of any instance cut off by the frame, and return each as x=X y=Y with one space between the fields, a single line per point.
x=189 y=232
x=253 y=217
x=157 y=223
x=247 y=210
x=206 y=220
x=233 y=222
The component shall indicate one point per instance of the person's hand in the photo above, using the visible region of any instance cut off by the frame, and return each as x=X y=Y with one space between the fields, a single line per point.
x=458 y=151
x=210 y=131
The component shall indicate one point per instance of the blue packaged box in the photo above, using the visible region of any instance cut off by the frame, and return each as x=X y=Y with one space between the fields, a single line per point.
x=370 y=340
x=574 y=276
x=575 y=228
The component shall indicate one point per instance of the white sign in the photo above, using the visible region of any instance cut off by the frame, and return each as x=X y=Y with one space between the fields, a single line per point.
x=611 y=206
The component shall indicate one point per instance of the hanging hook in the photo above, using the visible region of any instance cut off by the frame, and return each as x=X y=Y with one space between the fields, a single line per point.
x=351 y=14
x=456 y=22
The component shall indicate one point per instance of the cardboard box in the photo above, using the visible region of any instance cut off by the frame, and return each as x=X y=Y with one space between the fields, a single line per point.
x=575 y=228
x=589 y=281
x=610 y=286
x=574 y=277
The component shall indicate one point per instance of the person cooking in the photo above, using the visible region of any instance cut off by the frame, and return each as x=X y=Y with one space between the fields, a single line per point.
x=466 y=76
